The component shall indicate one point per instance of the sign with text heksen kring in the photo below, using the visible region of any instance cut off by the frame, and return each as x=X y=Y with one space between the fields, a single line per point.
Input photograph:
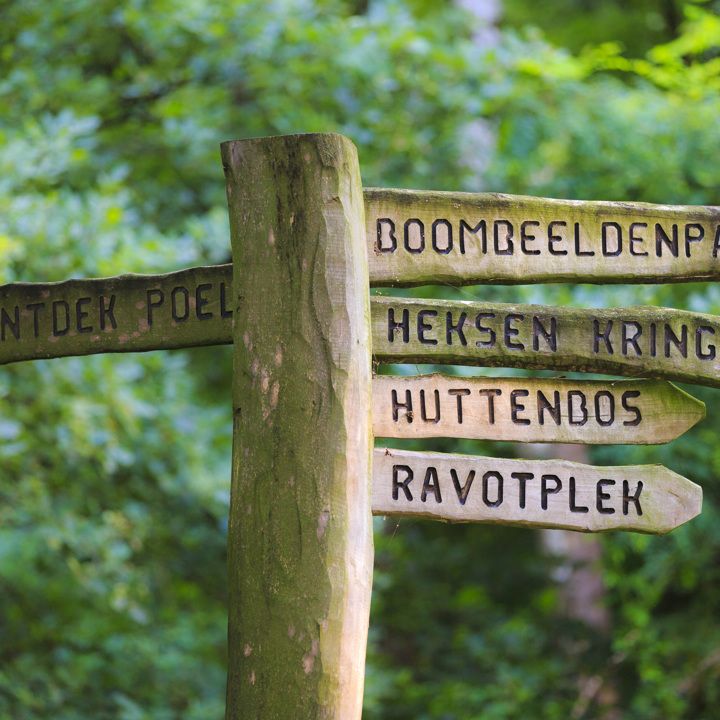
x=532 y=409
x=531 y=493
x=423 y=237
x=638 y=341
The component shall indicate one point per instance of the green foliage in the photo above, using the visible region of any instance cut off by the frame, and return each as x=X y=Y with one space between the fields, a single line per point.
x=108 y=515
x=469 y=638
x=114 y=492
x=637 y=25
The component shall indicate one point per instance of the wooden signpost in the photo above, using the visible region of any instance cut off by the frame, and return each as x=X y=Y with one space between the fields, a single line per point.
x=636 y=341
x=190 y=308
x=300 y=549
x=307 y=245
x=127 y=313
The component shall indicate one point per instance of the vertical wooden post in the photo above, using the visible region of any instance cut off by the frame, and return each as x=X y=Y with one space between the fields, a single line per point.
x=300 y=536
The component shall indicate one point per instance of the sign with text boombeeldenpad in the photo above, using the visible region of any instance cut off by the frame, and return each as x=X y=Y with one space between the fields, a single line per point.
x=423 y=237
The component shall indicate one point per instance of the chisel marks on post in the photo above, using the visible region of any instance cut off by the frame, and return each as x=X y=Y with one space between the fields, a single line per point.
x=300 y=564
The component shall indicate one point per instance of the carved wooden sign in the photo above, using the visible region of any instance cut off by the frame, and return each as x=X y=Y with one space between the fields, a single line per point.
x=194 y=307
x=637 y=341
x=532 y=409
x=532 y=493
x=420 y=237
x=127 y=313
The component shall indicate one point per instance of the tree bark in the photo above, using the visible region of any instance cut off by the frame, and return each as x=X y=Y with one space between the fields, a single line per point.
x=300 y=547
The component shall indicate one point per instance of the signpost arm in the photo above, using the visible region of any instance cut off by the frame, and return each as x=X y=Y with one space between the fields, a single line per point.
x=300 y=533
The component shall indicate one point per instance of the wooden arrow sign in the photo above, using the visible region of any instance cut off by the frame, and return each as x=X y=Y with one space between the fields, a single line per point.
x=629 y=412
x=532 y=493
x=637 y=341
x=418 y=237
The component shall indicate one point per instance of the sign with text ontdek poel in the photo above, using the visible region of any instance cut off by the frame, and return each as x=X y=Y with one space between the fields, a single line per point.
x=127 y=313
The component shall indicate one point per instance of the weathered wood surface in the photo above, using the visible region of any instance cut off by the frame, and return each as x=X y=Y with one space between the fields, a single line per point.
x=637 y=341
x=413 y=238
x=540 y=410
x=423 y=237
x=532 y=493
x=300 y=535
x=126 y=313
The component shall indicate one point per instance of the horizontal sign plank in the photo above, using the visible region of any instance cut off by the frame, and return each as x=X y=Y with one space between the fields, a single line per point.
x=637 y=341
x=532 y=493
x=629 y=412
x=423 y=237
x=121 y=314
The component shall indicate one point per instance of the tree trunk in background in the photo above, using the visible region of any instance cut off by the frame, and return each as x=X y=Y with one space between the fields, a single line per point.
x=300 y=547
x=581 y=585
x=582 y=591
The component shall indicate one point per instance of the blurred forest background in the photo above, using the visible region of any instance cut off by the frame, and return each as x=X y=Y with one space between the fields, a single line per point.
x=114 y=488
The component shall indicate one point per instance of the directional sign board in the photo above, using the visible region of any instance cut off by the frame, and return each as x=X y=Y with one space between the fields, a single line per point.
x=637 y=341
x=532 y=409
x=412 y=237
x=532 y=493
x=121 y=314
x=418 y=238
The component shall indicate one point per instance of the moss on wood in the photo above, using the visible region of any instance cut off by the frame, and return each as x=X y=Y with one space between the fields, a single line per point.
x=648 y=342
x=300 y=540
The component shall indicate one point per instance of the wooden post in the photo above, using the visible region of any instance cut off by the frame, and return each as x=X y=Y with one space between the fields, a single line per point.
x=300 y=548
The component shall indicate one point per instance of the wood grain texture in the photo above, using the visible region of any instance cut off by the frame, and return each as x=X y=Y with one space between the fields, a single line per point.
x=646 y=342
x=532 y=493
x=423 y=237
x=127 y=313
x=523 y=240
x=300 y=535
x=626 y=412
